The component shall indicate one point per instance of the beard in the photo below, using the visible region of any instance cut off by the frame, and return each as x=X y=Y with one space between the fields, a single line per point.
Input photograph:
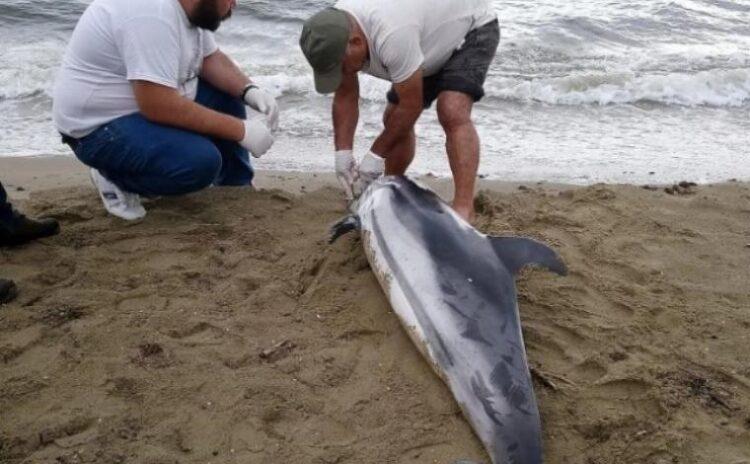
x=205 y=15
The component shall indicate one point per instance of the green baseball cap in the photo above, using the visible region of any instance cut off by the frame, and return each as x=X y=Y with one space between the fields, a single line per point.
x=323 y=41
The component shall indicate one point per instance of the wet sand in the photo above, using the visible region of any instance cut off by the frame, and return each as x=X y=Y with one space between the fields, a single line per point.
x=222 y=328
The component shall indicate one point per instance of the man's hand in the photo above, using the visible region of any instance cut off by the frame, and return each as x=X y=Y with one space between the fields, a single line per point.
x=371 y=167
x=220 y=71
x=346 y=171
x=345 y=111
x=258 y=138
x=260 y=100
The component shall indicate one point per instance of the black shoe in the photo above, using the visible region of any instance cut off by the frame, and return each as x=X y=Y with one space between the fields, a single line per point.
x=8 y=291
x=21 y=229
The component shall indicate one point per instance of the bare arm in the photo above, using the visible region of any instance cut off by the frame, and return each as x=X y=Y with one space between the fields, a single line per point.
x=401 y=121
x=221 y=72
x=164 y=105
x=346 y=112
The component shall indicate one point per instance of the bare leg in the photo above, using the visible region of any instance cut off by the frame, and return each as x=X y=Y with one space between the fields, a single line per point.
x=402 y=154
x=462 y=145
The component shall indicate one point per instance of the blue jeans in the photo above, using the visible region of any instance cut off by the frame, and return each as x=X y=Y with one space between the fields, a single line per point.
x=6 y=211
x=152 y=160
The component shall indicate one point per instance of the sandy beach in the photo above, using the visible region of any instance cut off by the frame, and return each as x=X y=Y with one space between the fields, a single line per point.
x=223 y=328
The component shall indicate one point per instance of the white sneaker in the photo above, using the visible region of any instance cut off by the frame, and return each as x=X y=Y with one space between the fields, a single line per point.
x=119 y=203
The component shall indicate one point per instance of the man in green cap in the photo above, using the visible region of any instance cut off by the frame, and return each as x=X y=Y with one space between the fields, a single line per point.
x=430 y=50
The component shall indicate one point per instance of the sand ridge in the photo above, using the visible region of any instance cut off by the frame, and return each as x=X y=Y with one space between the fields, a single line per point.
x=223 y=328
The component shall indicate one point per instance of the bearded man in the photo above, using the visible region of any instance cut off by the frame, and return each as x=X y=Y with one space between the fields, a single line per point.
x=149 y=102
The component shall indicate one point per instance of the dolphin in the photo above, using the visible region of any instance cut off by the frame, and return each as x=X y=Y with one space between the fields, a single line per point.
x=453 y=290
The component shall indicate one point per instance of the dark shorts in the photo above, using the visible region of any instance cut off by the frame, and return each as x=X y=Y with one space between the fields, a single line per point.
x=466 y=70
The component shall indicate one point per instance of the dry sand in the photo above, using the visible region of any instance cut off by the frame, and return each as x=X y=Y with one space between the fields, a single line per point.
x=223 y=329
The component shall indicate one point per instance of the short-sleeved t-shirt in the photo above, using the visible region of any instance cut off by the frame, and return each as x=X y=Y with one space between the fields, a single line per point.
x=119 y=41
x=405 y=36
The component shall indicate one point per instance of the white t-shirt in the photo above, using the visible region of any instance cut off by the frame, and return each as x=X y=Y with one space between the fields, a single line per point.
x=118 y=41
x=405 y=35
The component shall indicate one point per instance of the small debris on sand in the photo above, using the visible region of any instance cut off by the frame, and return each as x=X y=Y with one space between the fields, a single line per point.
x=682 y=188
x=278 y=351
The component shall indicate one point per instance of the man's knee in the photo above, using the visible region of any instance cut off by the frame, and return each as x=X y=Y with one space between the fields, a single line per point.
x=235 y=107
x=387 y=114
x=454 y=110
x=211 y=97
x=388 y=111
x=200 y=165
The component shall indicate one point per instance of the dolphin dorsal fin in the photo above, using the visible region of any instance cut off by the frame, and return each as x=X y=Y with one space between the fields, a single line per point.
x=517 y=252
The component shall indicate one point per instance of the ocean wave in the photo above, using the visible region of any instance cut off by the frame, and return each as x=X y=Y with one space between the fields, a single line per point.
x=718 y=88
x=721 y=88
x=281 y=10
x=716 y=74
x=50 y=13
x=27 y=70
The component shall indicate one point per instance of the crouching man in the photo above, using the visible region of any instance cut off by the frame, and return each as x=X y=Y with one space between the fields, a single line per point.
x=147 y=100
x=429 y=50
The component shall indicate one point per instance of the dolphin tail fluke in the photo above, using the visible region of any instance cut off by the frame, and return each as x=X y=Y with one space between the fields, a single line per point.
x=344 y=226
x=517 y=252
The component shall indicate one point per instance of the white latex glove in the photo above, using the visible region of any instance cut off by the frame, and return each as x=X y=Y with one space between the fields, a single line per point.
x=258 y=138
x=371 y=167
x=260 y=100
x=346 y=171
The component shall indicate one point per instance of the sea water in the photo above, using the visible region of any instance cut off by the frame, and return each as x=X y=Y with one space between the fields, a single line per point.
x=583 y=91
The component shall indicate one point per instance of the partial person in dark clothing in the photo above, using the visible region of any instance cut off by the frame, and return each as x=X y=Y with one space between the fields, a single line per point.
x=6 y=211
x=8 y=291
x=17 y=229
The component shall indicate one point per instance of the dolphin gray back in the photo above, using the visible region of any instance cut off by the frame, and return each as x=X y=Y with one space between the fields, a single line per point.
x=464 y=299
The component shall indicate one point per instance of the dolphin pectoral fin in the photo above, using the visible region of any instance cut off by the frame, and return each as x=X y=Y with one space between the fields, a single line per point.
x=344 y=226
x=517 y=252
